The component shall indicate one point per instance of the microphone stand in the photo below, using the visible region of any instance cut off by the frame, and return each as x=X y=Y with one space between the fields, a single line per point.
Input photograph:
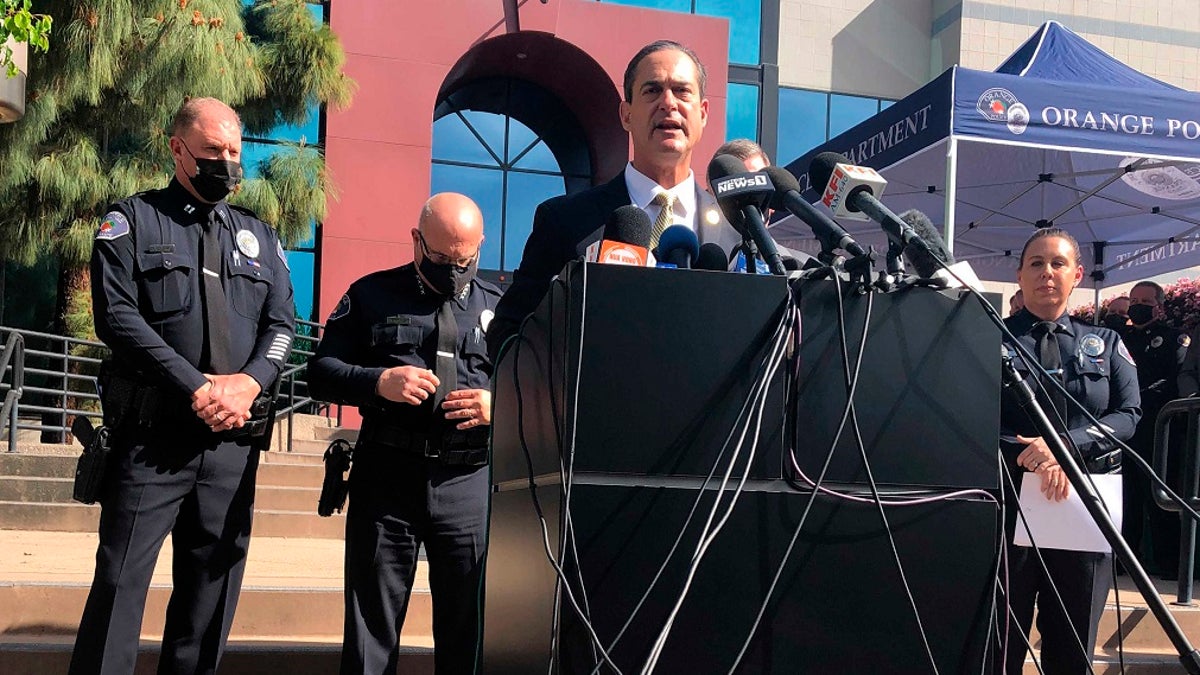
x=1188 y=656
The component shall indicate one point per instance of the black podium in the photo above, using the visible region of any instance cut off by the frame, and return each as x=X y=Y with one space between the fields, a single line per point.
x=627 y=381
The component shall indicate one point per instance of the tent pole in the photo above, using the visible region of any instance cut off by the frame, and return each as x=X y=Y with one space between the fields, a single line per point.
x=951 y=191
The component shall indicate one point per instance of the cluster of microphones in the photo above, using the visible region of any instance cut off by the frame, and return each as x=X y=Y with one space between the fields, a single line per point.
x=745 y=197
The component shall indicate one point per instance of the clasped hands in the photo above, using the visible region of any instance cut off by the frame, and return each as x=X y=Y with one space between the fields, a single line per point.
x=223 y=402
x=1037 y=458
x=412 y=385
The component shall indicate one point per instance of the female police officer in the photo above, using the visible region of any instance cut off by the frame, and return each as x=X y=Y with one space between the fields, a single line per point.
x=1098 y=372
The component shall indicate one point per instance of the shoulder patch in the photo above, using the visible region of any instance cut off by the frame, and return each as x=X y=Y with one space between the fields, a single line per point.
x=1185 y=340
x=114 y=225
x=1124 y=352
x=342 y=309
x=282 y=256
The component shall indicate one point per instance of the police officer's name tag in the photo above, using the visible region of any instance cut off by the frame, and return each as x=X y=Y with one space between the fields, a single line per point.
x=113 y=226
x=247 y=243
x=399 y=320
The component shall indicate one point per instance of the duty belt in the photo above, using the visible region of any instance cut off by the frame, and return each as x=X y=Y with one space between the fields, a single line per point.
x=145 y=406
x=455 y=447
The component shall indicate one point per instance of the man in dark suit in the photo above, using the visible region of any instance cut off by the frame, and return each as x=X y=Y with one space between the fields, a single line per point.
x=664 y=111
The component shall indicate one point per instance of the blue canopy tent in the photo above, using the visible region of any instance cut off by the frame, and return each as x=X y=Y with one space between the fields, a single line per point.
x=1061 y=134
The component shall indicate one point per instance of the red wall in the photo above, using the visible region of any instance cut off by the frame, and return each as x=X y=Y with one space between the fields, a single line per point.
x=400 y=53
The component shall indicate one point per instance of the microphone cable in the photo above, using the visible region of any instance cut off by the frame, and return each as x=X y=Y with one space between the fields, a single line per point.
x=709 y=532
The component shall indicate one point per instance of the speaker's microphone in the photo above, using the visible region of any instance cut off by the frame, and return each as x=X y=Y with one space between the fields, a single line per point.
x=925 y=259
x=850 y=192
x=742 y=196
x=787 y=198
x=677 y=247
x=713 y=258
x=626 y=239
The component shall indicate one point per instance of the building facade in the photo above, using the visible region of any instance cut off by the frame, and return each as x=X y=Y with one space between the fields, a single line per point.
x=513 y=102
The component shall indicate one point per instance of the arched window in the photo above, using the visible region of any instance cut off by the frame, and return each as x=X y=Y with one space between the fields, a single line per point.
x=509 y=145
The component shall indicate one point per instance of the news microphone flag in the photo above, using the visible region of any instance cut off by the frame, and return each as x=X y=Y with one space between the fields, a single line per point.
x=847 y=180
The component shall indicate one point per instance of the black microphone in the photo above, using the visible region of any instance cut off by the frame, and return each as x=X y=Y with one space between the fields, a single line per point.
x=859 y=196
x=713 y=258
x=626 y=238
x=742 y=196
x=925 y=259
x=678 y=246
x=787 y=197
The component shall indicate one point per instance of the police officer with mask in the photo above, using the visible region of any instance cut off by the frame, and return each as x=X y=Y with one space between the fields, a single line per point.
x=406 y=346
x=1159 y=351
x=193 y=297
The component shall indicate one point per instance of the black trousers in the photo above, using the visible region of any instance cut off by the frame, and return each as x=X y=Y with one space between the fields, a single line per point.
x=1083 y=581
x=201 y=492
x=399 y=501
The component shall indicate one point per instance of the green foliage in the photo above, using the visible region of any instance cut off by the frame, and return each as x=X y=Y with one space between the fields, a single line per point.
x=100 y=102
x=17 y=21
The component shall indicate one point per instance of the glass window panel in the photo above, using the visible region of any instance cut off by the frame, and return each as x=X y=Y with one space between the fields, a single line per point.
x=318 y=12
x=745 y=17
x=684 y=6
x=525 y=192
x=884 y=104
x=540 y=158
x=309 y=132
x=301 y=264
x=519 y=138
x=801 y=122
x=453 y=141
x=741 y=113
x=485 y=186
x=847 y=111
x=254 y=155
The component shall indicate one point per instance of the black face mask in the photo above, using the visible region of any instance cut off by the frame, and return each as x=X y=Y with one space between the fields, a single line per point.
x=1115 y=321
x=1141 y=314
x=447 y=279
x=215 y=178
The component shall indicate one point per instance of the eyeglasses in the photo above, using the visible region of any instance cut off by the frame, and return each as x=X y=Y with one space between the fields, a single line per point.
x=442 y=259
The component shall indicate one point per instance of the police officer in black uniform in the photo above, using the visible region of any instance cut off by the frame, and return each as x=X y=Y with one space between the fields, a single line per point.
x=406 y=345
x=1098 y=371
x=1159 y=351
x=193 y=297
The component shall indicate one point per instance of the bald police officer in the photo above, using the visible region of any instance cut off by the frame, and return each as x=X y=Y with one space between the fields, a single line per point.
x=406 y=345
x=193 y=297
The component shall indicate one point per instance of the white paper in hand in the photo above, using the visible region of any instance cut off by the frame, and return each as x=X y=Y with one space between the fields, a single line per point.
x=1066 y=525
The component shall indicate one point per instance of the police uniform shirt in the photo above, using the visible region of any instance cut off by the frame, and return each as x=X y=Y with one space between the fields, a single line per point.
x=1098 y=372
x=146 y=281
x=388 y=319
x=1159 y=351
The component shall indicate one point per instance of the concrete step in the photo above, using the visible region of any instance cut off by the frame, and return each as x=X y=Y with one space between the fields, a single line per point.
x=38 y=610
x=309 y=446
x=63 y=466
x=58 y=491
x=242 y=657
x=1135 y=664
x=300 y=454
x=329 y=433
x=74 y=517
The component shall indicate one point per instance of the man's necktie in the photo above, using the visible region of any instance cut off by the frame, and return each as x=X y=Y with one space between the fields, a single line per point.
x=447 y=353
x=666 y=216
x=216 y=306
x=1046 y=333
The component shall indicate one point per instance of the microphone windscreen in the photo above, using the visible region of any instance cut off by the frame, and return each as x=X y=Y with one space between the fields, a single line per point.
x=712 y=257
x=922 y=260
x=629 y=225
x=677 y=238
x=722 y=166
x=821 y=168
x=784 y=182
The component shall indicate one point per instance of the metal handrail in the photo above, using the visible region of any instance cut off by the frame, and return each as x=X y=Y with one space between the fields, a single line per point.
x=14 y=352
x=57 y=380
x=1189 y=487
